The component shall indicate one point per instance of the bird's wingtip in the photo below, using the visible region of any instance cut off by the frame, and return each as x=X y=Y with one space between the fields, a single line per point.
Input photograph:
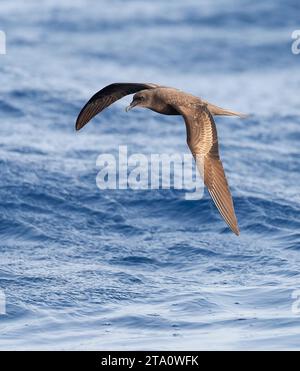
x=79 y=125
x=236 y=231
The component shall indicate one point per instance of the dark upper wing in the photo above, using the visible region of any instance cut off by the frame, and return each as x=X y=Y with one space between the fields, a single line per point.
x=202 y=140
x=105 y=97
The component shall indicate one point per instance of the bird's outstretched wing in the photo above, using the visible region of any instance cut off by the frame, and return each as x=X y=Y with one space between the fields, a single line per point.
x=202 y=140
x=105 y=97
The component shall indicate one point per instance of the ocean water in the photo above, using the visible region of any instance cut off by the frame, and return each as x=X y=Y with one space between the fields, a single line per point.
x=125 y=269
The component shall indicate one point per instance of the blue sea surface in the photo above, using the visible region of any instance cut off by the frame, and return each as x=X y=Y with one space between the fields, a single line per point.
x=83 y=268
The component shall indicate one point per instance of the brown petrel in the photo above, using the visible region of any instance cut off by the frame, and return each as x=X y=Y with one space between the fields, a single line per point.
x=201 y=130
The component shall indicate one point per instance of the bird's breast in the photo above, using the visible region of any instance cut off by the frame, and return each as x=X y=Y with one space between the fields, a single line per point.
x=165 y=110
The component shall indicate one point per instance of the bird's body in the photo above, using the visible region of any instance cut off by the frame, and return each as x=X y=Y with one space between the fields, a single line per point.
x=202 y=136
x=164 y=99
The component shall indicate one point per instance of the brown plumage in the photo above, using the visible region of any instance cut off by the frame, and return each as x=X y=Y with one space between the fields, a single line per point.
x=105 y=97
x=202 y=137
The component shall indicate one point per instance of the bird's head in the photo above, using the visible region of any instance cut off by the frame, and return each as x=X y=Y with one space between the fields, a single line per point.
x=142 y=99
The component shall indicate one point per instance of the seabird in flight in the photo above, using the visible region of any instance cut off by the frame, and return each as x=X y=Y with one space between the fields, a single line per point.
x=201 y=130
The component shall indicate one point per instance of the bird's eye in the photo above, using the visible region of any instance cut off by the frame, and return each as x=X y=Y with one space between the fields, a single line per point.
x=139 y=98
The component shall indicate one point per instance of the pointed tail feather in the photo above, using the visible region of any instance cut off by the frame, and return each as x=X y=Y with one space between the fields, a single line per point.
x=218 y=111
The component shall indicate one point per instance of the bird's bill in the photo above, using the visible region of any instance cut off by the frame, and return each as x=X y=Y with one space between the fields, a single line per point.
x=132 y=105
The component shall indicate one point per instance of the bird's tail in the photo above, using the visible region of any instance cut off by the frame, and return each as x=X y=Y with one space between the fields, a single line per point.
x=218 y=111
